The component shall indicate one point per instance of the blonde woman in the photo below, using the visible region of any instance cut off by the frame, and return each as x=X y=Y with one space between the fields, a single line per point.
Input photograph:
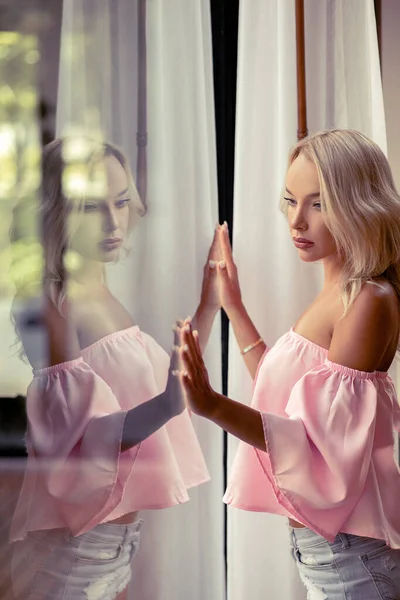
x=317 y=444
x=108 y=433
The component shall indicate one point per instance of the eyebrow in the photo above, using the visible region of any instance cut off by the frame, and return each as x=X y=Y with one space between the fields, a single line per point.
x=309 y=196
x=124 y=192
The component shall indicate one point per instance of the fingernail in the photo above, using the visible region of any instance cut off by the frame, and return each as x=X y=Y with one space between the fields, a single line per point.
x=188 y=318
x=175 y=373
x=185 y=374
x=226 y=225
x=185 y=348
x=196 y=333
x=175 y=348
x=187 y=328
x=222 y=264
x=212 y=264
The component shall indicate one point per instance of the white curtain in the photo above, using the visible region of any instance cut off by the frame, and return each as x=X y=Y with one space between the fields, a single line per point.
x=343 y=90
x=181 y=553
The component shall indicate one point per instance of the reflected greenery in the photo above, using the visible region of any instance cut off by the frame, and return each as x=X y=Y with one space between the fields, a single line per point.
x=21 y=260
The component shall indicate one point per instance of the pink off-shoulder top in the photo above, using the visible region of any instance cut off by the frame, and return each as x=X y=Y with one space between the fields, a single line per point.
x=76 y=475
x=330 y=445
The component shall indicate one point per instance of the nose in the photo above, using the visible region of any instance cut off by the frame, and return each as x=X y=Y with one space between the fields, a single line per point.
x=110 y=222
x=298 y=219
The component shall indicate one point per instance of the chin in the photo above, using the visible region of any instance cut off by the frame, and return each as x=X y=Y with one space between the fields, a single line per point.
x=111 y=257
x=108 y=257
x=310 y=257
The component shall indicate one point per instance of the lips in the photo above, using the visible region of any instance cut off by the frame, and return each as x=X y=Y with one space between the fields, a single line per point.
x=110 y=243
x=302 y=242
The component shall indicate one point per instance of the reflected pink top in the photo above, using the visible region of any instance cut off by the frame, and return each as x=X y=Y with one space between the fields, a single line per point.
x=329 y=433
x=76 y=475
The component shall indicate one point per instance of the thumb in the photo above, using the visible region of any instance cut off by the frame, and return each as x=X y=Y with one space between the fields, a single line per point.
x=212 y=268
x=222 y=270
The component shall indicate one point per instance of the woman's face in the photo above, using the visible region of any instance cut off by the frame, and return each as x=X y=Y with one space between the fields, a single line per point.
x=103 y=227
x=307 y=226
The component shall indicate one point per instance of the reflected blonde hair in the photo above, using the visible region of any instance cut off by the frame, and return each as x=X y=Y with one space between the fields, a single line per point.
x=360 y=205
x=56 y=208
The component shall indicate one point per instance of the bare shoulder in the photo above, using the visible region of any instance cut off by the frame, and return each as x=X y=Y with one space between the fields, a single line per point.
x=48 y=335
x=376 y=300
x=62 y=334
x=360 y=339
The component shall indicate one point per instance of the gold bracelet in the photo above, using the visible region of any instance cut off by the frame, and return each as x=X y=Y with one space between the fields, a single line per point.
x=253 y=345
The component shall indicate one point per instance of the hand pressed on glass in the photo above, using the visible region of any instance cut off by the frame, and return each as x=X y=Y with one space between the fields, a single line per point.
x=200 y=396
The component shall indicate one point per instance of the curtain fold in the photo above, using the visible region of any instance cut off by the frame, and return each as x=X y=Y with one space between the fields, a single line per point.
x=343 y=90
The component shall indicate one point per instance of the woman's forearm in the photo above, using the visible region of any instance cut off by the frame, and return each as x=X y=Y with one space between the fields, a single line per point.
x=240 y=420
x=202 y=321
x=144 y=420
x=246 y=334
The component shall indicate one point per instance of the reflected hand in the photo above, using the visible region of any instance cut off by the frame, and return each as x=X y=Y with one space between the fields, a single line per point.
x=200 y=396
x=174 y=392
x=229 y=287
x=210 y=295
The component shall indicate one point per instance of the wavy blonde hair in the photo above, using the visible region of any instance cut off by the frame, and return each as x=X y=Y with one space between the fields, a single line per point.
x=360 y=205
x=55 y=209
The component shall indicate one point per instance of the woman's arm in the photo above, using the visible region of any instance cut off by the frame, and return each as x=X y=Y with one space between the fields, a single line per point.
x=210 y=303
x=238 y=419
x=246 y=334
x=203 y=321
x=243 y=327
x=147 y=418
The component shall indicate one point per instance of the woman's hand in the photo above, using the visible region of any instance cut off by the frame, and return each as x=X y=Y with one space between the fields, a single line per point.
x=174 y=392
x=234 y=417
x=229 y=288
x=210 y=297
x=200 y=397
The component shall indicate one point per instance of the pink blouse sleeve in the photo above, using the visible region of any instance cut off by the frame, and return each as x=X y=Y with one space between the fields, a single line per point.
x=318 y=458
x=74 y=436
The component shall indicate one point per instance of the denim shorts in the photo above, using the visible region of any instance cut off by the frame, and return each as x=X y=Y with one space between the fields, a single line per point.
x=54 y=565
x=349 y=568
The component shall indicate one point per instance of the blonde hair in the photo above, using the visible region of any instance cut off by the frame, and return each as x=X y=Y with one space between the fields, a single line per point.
x=360 y=205
x=56 y=207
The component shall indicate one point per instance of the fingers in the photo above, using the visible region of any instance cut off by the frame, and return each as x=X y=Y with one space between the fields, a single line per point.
x=226 y=246
x=190 y=351
x=175 y=356
x=189 y=341
x=196 y=339
x=222 y=270
x=214 y=251
x=210 y=269
x=190 y=354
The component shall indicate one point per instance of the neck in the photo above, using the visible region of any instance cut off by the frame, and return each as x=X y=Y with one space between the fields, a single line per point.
x=332 y=270
x=90 y=273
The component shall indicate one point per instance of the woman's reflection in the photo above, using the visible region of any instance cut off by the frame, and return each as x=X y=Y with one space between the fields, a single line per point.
x=108 y=433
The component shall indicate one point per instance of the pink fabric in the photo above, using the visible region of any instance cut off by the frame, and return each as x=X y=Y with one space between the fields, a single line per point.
x=329 y=434
x=76 y=476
